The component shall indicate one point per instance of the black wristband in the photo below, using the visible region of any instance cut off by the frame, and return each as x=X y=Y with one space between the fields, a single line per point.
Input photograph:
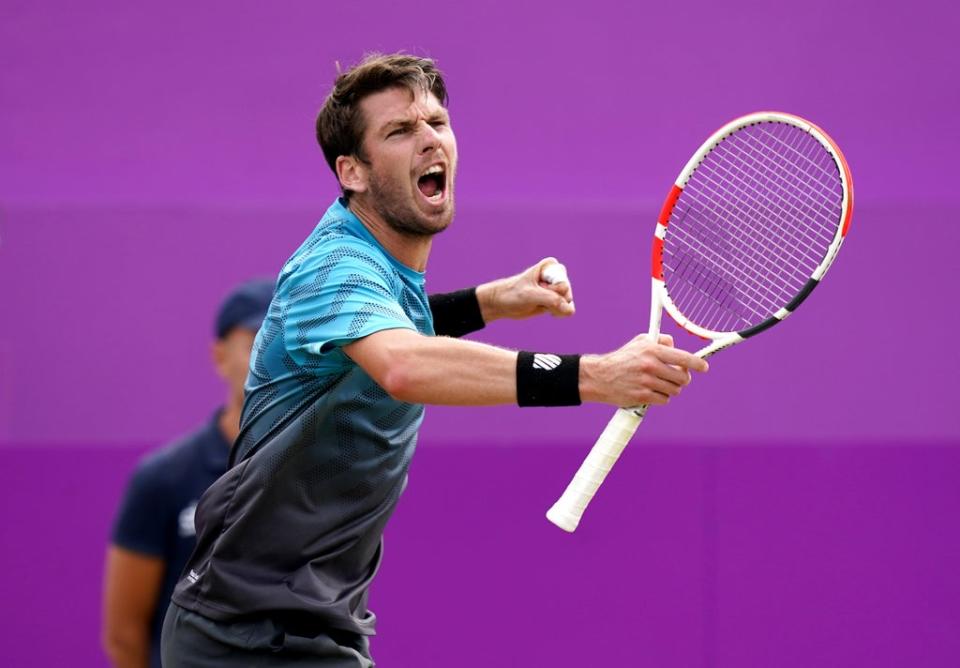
x=548 y=380
x=456 y=313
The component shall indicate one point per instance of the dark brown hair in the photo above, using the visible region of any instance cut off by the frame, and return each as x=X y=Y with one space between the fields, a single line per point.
x=340 y=125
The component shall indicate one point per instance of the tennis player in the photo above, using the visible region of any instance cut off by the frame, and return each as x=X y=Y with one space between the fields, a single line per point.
x=289 y=539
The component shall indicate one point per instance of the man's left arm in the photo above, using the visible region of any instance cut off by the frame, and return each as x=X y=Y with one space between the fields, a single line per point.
x=515 y=297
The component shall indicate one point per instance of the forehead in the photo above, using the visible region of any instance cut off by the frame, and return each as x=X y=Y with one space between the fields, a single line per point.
x=398 y=103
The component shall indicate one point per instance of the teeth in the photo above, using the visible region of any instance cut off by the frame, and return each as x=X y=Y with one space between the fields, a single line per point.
x=436 y=169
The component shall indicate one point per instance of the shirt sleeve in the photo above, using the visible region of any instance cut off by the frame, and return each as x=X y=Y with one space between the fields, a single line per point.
x=345 y=294
x=141 y=524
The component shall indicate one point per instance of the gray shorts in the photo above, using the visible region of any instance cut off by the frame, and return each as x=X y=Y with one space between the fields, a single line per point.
x=191 y=640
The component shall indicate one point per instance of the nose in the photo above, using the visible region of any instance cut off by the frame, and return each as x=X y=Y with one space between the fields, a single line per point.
x=429 y=138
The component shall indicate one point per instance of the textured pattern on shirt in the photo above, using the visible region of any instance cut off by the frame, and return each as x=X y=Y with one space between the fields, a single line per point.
x=294 y=528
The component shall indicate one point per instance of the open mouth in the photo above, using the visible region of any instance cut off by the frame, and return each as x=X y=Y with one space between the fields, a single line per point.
x=433 y=184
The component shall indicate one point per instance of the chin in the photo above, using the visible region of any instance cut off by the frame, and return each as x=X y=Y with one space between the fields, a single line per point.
x=423 y=221
x=441 y=220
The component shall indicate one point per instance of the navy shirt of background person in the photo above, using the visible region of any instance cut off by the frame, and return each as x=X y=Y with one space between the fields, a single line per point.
x=154 y=533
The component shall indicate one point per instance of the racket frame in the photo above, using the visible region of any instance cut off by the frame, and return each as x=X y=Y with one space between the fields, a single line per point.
x=569 y=508
x=663 y=220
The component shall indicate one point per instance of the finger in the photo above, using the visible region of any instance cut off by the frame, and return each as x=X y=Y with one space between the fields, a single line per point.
x=562 y=289
x=548 y=300
x=673 y=375
x=554 y=273
x=541 y=265
x=666 y=340
x=534 y=274
x=556 y=304
x=563 y=309
x=657 y=399
x=681 y=358
x=668 y=388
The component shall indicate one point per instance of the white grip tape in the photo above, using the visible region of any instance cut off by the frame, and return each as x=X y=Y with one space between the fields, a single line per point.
x=554 y=273
x=568 y=510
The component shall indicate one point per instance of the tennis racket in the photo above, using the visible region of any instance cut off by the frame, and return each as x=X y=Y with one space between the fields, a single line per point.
x=748 y=230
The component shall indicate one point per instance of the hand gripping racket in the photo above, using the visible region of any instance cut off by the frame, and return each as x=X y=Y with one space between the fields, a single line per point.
x=748 y=230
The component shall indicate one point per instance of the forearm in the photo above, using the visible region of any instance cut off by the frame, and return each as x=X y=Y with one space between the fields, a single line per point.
x=415 y=368
x=131 y=586
x=445 y=371
x=526 y=294
x=128 y=646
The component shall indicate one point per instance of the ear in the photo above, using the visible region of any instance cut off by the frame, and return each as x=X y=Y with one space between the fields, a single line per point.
x=352 y=173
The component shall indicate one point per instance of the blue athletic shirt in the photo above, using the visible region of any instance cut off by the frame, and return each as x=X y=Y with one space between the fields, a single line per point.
x=293 y=531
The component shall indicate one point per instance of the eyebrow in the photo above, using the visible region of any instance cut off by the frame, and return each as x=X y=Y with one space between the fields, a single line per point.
x=396 y=123
x=439 y=115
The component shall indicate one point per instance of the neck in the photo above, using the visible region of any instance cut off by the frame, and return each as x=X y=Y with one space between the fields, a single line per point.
x=229 y=421
x=409 y=249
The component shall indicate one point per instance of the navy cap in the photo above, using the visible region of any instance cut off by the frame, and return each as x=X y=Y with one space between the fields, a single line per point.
x=246 y=306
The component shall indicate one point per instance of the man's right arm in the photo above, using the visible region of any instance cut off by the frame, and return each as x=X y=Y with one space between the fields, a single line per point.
x=136 y=565
x=131 y=587
x=415 y=368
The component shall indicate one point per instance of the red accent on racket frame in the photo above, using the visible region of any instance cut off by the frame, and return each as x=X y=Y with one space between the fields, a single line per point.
x=668 y=205
x=846 y=222
x=846 y=170
x=845 y=225
x=849 y=178
x=657 y=258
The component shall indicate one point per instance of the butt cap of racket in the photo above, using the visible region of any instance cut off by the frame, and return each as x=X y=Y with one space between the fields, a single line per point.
x=566 y=521
x=554 y=273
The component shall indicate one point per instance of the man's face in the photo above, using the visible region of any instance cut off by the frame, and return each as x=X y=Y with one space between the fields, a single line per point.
x=411 y=156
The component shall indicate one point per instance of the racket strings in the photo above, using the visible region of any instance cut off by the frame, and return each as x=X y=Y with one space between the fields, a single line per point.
x=745 y=168
x=768 y=265
x=731 y=170
x=771 y=163
x=753 y=222
x=825 y=168
x=777 y=243
x=821 y=170
x=700 y=283
x=711 y=301
x=780 y=254
x=756 y=300
x=697 y=245
x=737 y=261
x=763 y=299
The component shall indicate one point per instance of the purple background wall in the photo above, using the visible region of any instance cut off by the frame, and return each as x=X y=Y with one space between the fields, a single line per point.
x=790 y=510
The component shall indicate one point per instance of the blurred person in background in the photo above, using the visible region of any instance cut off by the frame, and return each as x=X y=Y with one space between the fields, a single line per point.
x=154 y=532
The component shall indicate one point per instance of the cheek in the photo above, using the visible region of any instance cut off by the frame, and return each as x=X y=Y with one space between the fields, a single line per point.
x=239 y=365
x=243 y=365
x=450 y=147
x=389 y=172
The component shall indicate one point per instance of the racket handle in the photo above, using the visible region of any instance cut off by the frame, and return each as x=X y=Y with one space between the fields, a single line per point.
x=568 y=510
